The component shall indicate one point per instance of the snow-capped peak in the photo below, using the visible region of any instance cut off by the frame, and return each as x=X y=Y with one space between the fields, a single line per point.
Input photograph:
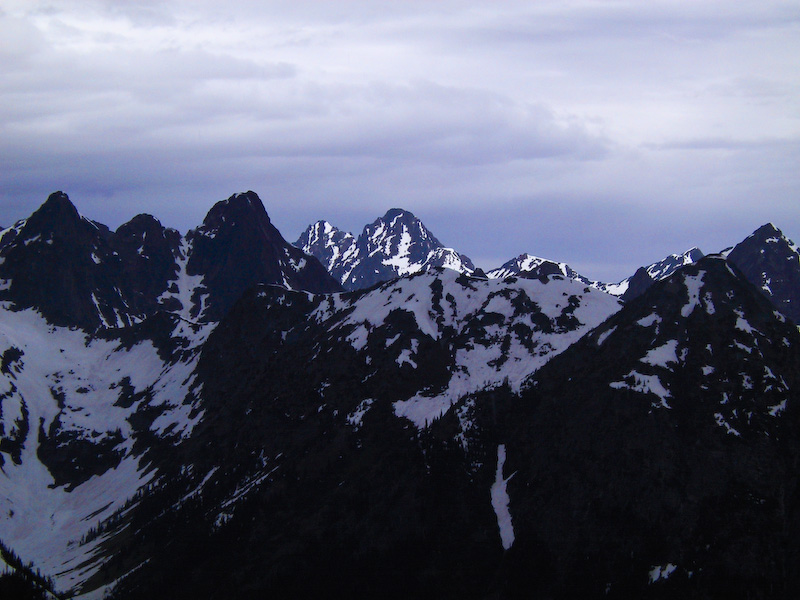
x=529 y=265
x=394 y=245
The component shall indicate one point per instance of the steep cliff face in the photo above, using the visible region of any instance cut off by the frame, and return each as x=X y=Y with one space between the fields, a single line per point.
x=79 y=273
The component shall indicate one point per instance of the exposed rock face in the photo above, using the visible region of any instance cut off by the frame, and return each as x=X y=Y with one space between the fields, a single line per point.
x=638 y=284
x=148 y=254
x=657 y=455
x=334 y=248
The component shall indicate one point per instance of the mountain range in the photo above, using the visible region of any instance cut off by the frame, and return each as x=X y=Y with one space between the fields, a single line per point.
x=222 y=414
x=399 y=244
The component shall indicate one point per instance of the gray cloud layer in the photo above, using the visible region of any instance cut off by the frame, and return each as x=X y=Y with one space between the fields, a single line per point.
x=606 y=134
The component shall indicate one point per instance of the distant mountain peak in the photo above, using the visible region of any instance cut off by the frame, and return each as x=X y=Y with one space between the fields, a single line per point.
x=644 y=277
x=527 y=265
x=329 y=245
x=238 y=246
x=767 y=229
x=394 y=245
x=58 y=202
x=393 y=213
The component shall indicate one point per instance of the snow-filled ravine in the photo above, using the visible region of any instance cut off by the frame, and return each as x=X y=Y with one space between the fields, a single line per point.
x=65 y=379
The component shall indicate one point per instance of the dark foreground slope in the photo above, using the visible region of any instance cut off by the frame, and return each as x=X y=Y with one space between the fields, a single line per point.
x=658 y=456
x=303 y=476
x=654 y=458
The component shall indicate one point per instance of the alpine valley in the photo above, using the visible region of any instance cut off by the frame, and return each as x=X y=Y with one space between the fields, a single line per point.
x=222 y=414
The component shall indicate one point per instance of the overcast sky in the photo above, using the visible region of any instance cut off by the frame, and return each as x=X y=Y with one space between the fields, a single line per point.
x=606 y=134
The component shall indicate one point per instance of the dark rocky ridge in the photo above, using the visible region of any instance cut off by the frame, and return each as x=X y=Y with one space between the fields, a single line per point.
x=78 y=273
x=147 y=253
x=647 y=276
x=61 y=263
x=610 y=483
x=638 y=284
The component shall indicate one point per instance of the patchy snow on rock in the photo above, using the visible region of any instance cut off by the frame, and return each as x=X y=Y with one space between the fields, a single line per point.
x=649 y=320
x=747 y=382
x=405 y=358
x=465 y=414
x=355 y=417
x=187 y=289
x=422 y=411
x=508 y=341
x=742 y=324
x=658 y=573
x=67 y=380
x=604 y=336
x=777 y=409
x=616 y=289
x=709 y=304
x=401 y=261
x=644 y=384
x=723 y=423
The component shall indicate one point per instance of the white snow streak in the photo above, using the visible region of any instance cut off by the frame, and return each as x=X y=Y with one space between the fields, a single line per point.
x=500 y=500
x=694 y=284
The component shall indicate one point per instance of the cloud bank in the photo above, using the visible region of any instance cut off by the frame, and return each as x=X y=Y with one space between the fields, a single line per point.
x=606 y=134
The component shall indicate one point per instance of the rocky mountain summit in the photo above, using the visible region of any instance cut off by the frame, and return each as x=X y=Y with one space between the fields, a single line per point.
x=394 y=245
